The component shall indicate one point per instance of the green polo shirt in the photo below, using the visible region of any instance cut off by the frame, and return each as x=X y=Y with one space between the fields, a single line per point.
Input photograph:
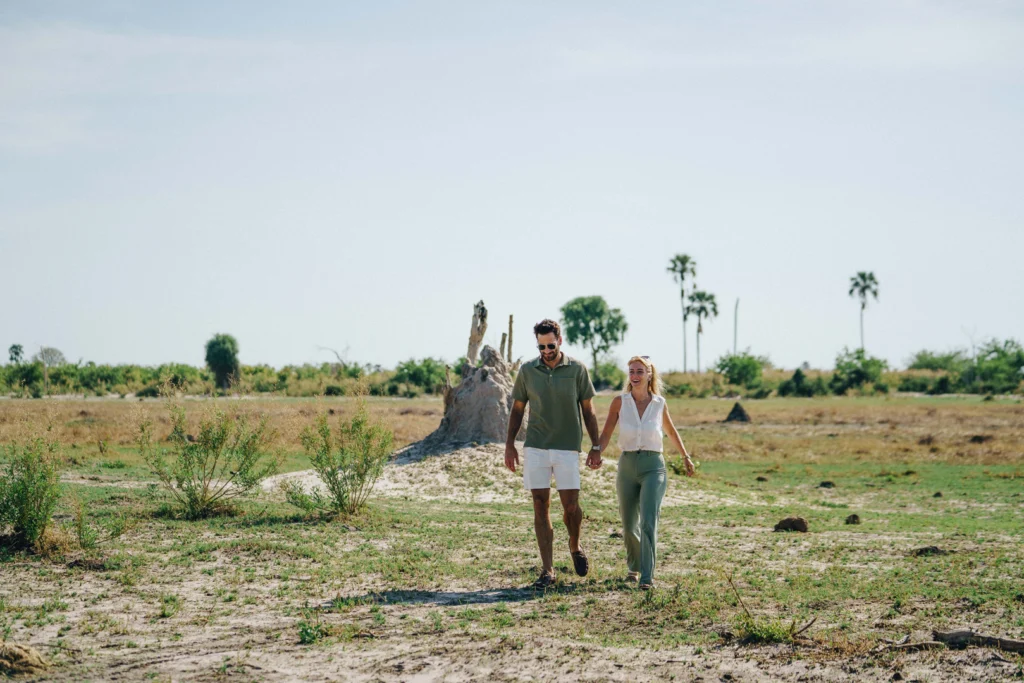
x=554 y=395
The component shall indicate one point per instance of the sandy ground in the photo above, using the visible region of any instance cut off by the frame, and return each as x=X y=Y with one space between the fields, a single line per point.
x=477 y=474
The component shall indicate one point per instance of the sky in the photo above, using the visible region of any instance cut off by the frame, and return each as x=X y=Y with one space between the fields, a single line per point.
x=356 y=175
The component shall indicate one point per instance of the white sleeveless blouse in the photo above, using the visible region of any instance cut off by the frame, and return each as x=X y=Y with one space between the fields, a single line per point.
x=641 y=434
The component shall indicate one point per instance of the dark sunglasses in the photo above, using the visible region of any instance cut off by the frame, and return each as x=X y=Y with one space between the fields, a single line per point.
x=549 y=347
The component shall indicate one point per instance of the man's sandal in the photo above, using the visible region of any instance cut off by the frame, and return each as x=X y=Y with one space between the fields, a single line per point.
x=632 y=577
x=545 y=580
x=646 y=586
x=580 y=563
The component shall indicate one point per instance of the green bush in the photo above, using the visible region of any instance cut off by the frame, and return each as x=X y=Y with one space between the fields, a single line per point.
x=943 y=385
x=854 y=369
x=348 y=465
x=609 y=376
x=226 y=460
x=799 y=385
x=29 y=491
x=914 y=384
x=334 y=390
x=760 y=392
x=742 y=369
x=427 y=374
x=951 y=361
x=683 y=389
x=997 y=369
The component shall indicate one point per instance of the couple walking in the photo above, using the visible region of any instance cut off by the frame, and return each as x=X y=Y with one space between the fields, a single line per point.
x=559 y=391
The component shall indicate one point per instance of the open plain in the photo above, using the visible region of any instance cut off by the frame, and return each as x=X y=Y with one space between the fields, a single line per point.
x=430 y=581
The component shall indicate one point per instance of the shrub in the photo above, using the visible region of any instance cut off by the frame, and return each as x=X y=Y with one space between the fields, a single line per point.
x=760 y=392
x=998 y=368
x=427 y=374
x=226 y=460
x=334 y=390
x=951 y=361
x=915 y=384
x=89 y=535
x=348 y=465
x=742 y=369
x=29 y=491
x=854 y=369
x=943 y=385
x=609 y=376
x=799 y=385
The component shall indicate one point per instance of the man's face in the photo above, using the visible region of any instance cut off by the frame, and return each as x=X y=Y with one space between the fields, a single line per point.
x=547 y=340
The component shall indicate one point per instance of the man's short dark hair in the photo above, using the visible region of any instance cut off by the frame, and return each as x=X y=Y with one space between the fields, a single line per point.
x=547 y=326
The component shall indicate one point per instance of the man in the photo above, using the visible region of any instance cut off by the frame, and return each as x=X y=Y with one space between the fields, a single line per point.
x=559 y=391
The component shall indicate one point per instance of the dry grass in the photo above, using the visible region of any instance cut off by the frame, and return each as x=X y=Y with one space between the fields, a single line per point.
x=428 y=581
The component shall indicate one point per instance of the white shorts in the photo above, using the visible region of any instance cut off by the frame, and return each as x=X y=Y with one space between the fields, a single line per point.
x=540 y=463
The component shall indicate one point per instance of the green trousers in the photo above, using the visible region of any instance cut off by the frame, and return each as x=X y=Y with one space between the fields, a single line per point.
x=641 y=485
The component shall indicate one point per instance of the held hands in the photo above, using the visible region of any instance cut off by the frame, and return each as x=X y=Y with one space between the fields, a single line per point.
x=594 y=459
x=511 y=457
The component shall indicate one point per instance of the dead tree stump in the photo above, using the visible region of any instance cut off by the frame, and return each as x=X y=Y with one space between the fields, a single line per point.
x=476 y=332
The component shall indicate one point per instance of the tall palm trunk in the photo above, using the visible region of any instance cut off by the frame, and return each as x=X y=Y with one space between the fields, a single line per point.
x=700 y=329
x=862 y=327
x=682 y=299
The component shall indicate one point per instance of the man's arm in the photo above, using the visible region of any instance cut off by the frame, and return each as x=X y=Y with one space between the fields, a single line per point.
x=515 y=422
x=590 y=420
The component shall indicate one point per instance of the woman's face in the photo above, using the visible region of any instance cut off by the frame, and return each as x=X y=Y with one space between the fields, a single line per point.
x=638 y=374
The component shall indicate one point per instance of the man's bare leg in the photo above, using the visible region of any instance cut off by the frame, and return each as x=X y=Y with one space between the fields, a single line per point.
x=572 y=515
x=542 y=525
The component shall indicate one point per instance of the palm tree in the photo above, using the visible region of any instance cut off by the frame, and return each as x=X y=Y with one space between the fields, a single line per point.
x=702 y=305
x=682 y=266
x=863 y=285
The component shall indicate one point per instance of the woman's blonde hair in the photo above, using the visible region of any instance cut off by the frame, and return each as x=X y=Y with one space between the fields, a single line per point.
x=654 y=383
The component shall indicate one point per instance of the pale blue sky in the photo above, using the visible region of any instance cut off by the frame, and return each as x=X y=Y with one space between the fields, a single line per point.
x=356 y=175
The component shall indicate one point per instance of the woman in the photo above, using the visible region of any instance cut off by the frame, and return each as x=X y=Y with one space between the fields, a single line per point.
x=643 y=419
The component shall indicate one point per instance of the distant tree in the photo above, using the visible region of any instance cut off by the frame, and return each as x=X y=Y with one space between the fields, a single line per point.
x=50 y=357
x=589 y=322
x=702 y=305
x=742 y=368
x=222 y=359
x=862 y=286
x=682 y=266
x=16 y=353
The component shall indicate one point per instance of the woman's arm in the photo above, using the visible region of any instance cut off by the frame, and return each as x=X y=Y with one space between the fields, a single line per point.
x=609 y=426
x=670 y=428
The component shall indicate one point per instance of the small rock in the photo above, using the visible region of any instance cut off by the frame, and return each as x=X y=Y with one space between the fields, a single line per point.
x=938 y=494
x=981 y=438
x=853 y=519
x=762 y=478
x=826 y=485
x=928 y=551
x=792 y=524
x=897 y=676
